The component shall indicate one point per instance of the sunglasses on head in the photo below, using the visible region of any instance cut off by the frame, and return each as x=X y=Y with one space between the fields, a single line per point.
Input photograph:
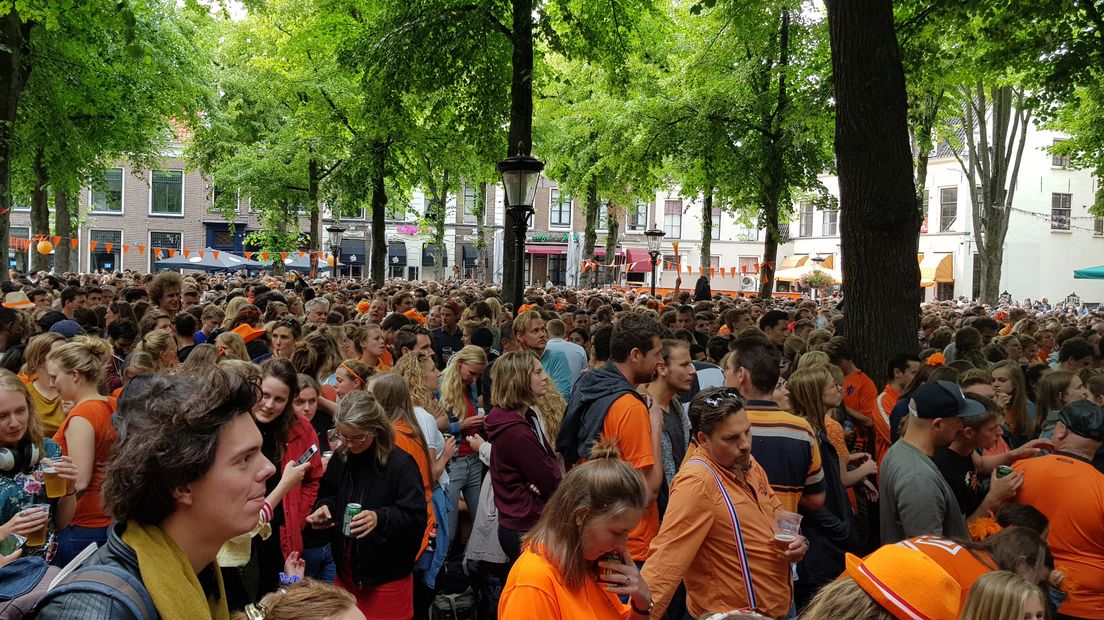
x=724 y=395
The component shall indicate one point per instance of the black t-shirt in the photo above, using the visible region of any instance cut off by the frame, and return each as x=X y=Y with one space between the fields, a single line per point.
x=959 y=472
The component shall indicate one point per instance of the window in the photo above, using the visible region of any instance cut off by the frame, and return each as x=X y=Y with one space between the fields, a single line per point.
x=108 y=198
x=17 y=259
x=677 y=261
x=831 y=219
x=805 y=228
x=559 y=210
x=557 y=269
x=715 y=215
x=748 y=263
x=109 y=250
x=602 y=223
x=1098 y=226
x=1058 y=160
x=1060 y=211
x=672 y=219
x=220 y=196
x=715 y=263
x=167 y=192
x=976 y=289
x=638 y=218
x=747 y=233
x=470 y=196
x=162 y=241
x=948 y=208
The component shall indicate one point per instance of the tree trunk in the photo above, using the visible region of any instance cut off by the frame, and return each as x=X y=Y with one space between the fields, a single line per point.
x=519 y=139
x=613 y=228
x=440 y=214
x=879 y=221
x=775 y=169
x=315 y=216
x=40 y=209
x=707 y=230
x=480 y=234
x=379 y=212
x=63 y=222
x=590 y=236
x=15 y=68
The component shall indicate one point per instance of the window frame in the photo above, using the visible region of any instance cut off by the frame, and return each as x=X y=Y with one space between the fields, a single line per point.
x=556 y=204
x=944 y=224
x=831 y=216
x=122 y=195
x=601 y=220
x=715 y=215
x=149 y=247
x=1056 y=160
x=638 y=226
x=117 y=251
x=183 y=184
x=1067 y=207
x=805 y=220
x=468 y=217
x=669 y=226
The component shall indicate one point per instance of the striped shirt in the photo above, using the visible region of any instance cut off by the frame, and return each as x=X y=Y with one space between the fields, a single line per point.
x=786 y=448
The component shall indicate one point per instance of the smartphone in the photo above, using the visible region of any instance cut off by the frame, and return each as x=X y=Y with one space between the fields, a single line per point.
x=311 y=451
x=10 y=544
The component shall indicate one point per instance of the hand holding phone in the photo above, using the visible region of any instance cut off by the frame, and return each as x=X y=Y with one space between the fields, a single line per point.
x=311 y=451
x=12 y=543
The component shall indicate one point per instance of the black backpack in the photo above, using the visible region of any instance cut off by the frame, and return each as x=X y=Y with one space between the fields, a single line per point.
x=111 y=581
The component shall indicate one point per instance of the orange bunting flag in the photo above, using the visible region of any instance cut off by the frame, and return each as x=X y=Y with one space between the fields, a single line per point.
x=57 y=240
x=200 y=253
x=125 y=248
x=156 y=251
x=73 y=242
x=674 y=244
x=689 y=269
x=186 y=253
x=92 y=245
x=302 y=254
x=264 y=256
x=758 y=267
x=712 y=271
x=141 y=249
x=110 y=247
x=701 y=271
x=215 y=253
x=248 y=256
x=283 y=256
x=172 y=252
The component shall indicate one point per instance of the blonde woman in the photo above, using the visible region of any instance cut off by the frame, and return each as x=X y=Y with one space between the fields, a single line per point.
x=464 y=421
x=231 y=346
x=306 y=599
x=1001 y=595
x=47 y=402
x=232 y=308
x=162 y=346
x=86 y=436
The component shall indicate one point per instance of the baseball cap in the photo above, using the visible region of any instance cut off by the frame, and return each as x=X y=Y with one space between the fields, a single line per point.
x=942 y=399
x=1083 y=418
x=906 y=583
x=68 y=328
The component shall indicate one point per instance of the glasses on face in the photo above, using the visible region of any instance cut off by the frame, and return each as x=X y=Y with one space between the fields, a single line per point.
x=724 y=395
x=356 y=440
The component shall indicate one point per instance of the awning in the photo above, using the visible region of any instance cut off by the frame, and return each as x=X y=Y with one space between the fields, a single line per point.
x=829 y=261
x=795 y=274
x=469 y=254
x=396 y=254
x=794 y=260
x=545 y=249
x=428 y=259
x=354 y=252
x=638 y=261
x=1089 y=273
x=936 y=268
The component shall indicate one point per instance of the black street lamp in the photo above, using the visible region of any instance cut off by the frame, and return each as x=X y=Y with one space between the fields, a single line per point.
x=1005 y=298
x=655 y=238
x=335 y=230
x=520 y=174
x=1073 y=300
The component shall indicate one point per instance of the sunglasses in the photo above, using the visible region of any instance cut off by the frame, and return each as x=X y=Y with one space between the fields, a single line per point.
x=725 y=395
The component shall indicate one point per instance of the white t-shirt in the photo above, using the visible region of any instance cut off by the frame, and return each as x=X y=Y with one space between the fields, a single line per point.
x=434 y=439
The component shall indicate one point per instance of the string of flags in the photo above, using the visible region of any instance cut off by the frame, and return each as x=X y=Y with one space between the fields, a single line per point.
x=762 y=269
x=44 y=244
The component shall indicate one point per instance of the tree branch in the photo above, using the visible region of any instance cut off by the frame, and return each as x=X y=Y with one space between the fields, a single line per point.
x=1096 y=19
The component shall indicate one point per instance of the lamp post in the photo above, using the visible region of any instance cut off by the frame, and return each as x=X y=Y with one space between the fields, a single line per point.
x=335 y=231
x=655 y=238
x=520 y=174
x=1073 y=300
x=1005 y=298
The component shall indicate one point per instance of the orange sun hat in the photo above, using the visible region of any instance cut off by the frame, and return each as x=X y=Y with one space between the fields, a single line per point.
x=907 y=583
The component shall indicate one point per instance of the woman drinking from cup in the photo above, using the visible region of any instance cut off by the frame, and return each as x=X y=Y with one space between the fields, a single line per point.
x=87 y=436
x=372 y=501
x=33 y=504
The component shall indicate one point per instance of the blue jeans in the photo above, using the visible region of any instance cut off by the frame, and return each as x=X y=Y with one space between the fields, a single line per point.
x=72 y=540
x=320 y=564
x=465 y=476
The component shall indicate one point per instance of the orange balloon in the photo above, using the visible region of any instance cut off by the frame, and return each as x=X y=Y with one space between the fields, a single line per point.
x=329 y=261
x=45 y=247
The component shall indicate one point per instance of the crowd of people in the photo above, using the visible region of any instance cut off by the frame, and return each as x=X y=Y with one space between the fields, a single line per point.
x=277 y=447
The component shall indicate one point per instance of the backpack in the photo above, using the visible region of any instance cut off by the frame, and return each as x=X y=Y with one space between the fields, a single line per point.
x=113 y=582
x=462 y=606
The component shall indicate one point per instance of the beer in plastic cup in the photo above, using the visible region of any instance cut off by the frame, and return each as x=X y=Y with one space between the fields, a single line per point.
x=55 y=484
x=37 y=538
x=788 y=528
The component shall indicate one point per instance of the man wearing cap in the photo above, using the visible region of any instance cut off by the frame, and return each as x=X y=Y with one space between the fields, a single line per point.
x=448 y=338
x=915 y=500
x=1066 y=488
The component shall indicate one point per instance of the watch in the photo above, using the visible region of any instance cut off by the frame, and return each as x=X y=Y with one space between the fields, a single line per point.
x=642 y=612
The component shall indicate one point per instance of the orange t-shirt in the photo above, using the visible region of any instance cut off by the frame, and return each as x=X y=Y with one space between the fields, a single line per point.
x=860 y=395
x=405 y=441
x=962 y=565
x=883 y=434
x=628 y=421
x=1070 y=492
x=90 y=512
x=536 y=589
x=386 y=361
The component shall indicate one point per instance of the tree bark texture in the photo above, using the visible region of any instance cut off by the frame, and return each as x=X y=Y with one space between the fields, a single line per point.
x=15 y=68
x=879 y=219
x=40 y=209
x=613 y=231
x=63 y=221
x=590 y=235
x=480 y=234
x=519 y=139
x=775 y=169
x=707 y=230
x=315 y=216
x=379 y=212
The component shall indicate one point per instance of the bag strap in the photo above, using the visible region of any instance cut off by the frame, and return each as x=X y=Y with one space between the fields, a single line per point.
x=745 y=569
x=112 y=581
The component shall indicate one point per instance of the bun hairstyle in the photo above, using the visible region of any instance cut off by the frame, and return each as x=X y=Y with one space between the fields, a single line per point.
x=306 y=599
x=603 y=487
x=85 y=355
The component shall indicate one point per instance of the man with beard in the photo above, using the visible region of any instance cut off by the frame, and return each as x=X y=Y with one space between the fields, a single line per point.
x=605 y=402
x=674 y=374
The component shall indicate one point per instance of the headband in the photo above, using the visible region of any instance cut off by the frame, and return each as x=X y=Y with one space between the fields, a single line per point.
x=353 y=372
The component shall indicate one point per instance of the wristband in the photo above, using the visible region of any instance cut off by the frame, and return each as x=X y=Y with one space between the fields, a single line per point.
x=642 y=612
x=287 y=581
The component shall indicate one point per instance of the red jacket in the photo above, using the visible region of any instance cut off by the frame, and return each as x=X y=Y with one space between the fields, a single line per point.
x=299 y=502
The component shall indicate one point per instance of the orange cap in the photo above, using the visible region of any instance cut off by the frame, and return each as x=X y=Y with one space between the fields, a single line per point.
x=414 y=314
x=906 y=583
x=247 y=332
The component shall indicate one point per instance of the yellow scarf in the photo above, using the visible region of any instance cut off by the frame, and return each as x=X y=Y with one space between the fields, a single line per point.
x=162 y=563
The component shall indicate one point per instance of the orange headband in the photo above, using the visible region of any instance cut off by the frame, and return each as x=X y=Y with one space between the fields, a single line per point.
x=353 y=372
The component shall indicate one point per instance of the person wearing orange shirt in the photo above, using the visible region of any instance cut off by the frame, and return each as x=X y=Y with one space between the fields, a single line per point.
x=859 y=393
x=605 y=403
x=721 y=494
x=902 y=368
x=1066 y=488
x=577 y=562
